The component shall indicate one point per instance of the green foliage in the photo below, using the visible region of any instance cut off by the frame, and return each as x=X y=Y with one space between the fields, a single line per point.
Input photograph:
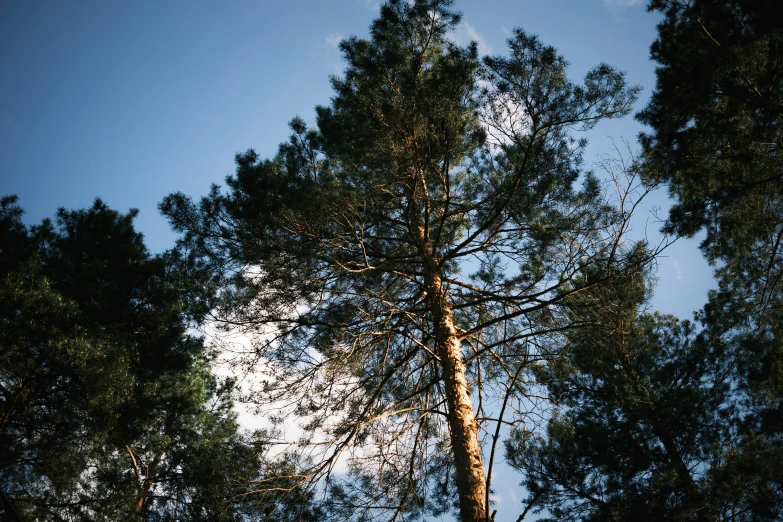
x=716 y=118
x=435 y=185
x=716 y=138
x=108 y=408
x=650 y=424
x=59 y=380
x=715 y=141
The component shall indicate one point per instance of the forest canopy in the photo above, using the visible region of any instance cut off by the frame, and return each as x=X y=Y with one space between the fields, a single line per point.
x=430 y=281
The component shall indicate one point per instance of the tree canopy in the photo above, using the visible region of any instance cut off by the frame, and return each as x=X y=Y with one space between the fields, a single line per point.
x=428 y=279
x=662 y=419
x=109 y=409
x=715 y=140
x=650 y=423
x=403 y=263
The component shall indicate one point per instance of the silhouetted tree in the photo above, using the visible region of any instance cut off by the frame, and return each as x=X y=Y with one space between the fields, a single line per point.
x=649 y=420
x=715 y=140
x=108 y=408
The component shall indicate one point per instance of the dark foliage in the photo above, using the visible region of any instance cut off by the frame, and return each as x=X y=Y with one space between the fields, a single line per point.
x=108 y=408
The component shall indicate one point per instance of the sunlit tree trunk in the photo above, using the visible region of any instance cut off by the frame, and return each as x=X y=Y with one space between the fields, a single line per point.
x=470 y=476
x=469 y=467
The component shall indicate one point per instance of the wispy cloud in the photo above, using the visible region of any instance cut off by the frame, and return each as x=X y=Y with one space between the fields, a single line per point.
x=329 y=52
x=333 y=40
x=618 y=7
x=466 y=33
x=621 y=4
x=678 y=275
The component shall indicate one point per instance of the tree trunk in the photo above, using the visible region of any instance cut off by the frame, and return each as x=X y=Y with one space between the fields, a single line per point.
x=469 y=474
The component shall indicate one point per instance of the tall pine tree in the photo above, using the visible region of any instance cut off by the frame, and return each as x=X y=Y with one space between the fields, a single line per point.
x=715 y=140
x=403 y=265
x=664 y=419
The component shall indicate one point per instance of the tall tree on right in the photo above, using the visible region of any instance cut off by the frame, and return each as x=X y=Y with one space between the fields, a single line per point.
x=715 y=140
x=664 y=419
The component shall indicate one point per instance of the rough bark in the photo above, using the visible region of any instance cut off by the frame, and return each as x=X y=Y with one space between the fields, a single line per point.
x=470 y=476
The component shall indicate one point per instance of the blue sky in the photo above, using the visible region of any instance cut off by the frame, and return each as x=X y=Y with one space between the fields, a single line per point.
x=129 y=101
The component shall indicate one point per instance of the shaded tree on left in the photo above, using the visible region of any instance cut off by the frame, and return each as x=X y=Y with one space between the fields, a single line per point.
x=108 y=407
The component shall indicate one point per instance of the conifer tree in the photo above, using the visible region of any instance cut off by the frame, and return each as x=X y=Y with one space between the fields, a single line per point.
x=662 y=419
x=715 y=141
x=649 y=422
x=108 y=408
x=402 y=265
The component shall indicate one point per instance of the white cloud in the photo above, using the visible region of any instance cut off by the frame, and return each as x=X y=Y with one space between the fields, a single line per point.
x=373 y=5
x=466 y=33
x=329 y=52
x=333 y=40
x=617 y=8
